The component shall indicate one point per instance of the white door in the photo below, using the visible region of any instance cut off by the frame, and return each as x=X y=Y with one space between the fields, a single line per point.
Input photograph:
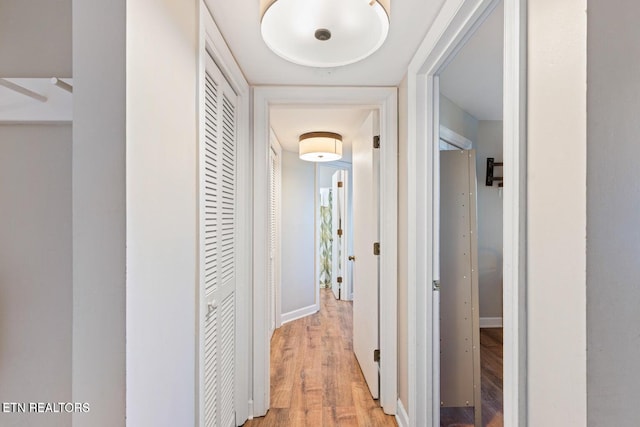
x=339 y=277
x=217 y=176
x=365 y=266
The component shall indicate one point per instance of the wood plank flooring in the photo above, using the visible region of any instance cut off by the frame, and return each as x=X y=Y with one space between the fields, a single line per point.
x=315 y=378
x=492 y=398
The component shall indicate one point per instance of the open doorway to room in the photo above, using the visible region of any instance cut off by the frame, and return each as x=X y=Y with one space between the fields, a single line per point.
x=310 y=209
x=334 y=228
x=470 y=228
x=335 y=393
x=321 y=358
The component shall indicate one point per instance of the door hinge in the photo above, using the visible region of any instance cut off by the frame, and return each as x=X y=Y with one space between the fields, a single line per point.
x=376 y=141
x=376 y=248
x=436 y=285
x=339 y=231
x=339 y=279
x=376 y=355
x=340 y=184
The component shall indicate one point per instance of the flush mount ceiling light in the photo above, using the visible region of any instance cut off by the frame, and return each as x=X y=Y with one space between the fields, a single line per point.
x=320 y=146
x=324 y=33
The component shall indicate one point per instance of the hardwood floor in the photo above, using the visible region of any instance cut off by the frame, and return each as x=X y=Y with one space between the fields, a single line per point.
x=315 y=378
x=491 y=367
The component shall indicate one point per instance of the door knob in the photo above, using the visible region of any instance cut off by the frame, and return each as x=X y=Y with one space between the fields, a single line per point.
x=352 y=258
x=212 y=306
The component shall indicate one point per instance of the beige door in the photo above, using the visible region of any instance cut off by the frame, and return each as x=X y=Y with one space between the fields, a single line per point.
x=459 y=317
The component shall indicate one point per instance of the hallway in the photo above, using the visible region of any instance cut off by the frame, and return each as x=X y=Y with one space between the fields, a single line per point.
x=315 y=378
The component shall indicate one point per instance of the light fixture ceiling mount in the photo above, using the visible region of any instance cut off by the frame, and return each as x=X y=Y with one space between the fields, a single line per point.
x=320 y=146
x=324 y=33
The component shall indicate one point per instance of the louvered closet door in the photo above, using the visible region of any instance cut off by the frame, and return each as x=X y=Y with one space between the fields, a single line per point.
x=218 y=251
x=273 y=170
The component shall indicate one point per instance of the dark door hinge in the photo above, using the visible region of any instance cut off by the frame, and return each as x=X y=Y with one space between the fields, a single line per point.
x=376 y=355
x=376 y=141
x=376 y=248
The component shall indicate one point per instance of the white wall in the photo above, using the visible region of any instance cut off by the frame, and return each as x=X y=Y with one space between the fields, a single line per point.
x=489 y=204
x=613 y=232
x=299 y=280
x=458 y=120
x=99 y=212
x=36 y=38
x=36 y=212
x=324 y=176
x=162 y=46
x=35 y=269
x=556 y=226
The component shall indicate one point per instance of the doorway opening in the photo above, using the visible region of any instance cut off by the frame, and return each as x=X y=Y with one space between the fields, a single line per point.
x=470 y=229
x=320 y=247
x=267 y=101
x=451 y=31
x=335 y=228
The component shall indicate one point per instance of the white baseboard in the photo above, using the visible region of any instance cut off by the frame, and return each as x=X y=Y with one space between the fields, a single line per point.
x=401 y=415
x=299 y=313
x=491 y=322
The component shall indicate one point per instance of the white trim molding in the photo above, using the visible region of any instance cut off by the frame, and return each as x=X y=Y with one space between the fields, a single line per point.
x=300 y=313
x=491 y=322
x=401 y=415
x=211 y=41
x=384 y=100
x=515 y=213
x=454 y=25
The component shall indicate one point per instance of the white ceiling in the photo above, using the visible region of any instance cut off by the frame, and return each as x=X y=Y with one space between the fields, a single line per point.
x=289 y=122
x=473 y=80
x=239 y=23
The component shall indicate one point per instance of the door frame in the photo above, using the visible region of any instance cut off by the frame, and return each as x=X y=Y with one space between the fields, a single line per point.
x=453 y=26
x=385 y=100
x=212 y=43
x=336 y=166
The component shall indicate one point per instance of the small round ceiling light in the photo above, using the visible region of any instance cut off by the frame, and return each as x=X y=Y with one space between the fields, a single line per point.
x=324 y=33
x=320 y=146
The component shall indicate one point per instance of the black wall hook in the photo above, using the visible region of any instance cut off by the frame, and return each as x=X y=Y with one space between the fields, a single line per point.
x=490 y=178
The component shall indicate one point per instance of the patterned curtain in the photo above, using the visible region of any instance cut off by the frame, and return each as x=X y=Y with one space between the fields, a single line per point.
x=326 y=240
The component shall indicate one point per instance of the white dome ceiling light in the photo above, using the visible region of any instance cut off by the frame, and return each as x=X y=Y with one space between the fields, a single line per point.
x=324 y=33
x=320 y=146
